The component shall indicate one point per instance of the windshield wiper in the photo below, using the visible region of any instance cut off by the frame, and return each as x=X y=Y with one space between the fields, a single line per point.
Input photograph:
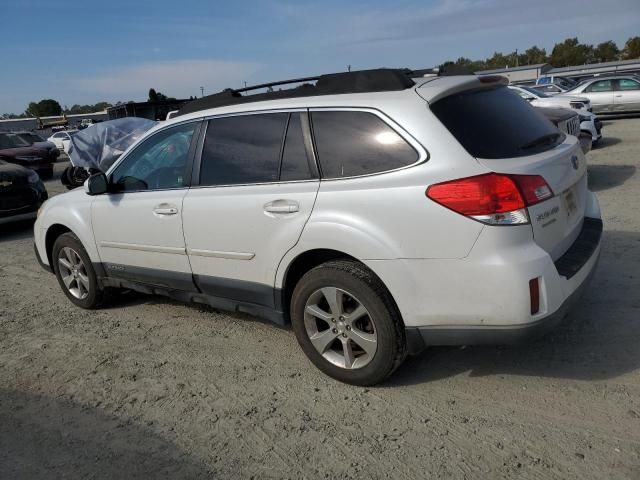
x=547 y=139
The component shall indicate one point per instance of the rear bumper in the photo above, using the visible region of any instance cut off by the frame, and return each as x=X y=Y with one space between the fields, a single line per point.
x=418 y=338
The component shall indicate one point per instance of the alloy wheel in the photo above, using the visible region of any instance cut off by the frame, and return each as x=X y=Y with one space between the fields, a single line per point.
x=340 y=328
x=73 y=273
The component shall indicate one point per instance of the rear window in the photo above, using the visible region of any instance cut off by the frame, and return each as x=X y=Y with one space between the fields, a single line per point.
x=496 y=123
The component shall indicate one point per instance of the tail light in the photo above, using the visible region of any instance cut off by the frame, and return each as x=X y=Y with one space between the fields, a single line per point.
x=492 y=198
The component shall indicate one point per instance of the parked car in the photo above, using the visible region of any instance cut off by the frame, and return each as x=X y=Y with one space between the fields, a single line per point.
x=563 y=83
x=539 y=99
x=375 y=215
x=21 y=193
x=62 y=139
x=568 y=122
x=549 y=89
x=30 y=151
x=613 y=94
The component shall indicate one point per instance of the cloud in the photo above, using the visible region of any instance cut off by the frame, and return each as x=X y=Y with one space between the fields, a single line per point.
x=180 y=78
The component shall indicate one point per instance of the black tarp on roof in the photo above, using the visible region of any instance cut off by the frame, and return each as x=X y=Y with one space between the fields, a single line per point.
x=378 y=80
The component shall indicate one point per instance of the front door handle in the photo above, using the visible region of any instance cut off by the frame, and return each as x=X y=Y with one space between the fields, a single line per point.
x=165 y=209
x=282 y=206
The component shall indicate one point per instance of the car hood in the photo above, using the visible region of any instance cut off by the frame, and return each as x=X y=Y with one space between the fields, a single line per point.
x=556 y=114
x=11 y=171
x=32 y=151
x=571 y=98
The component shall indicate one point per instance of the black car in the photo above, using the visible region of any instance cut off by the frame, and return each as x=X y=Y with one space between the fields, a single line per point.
x=29 y=150
x=21 y=193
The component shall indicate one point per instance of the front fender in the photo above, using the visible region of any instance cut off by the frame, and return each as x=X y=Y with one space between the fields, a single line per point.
x=71 y=210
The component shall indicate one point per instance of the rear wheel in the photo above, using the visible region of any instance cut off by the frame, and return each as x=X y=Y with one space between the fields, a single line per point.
x=347 y=323
x=75 y=273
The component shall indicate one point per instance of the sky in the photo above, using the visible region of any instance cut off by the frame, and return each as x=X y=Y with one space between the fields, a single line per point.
x=82 y=52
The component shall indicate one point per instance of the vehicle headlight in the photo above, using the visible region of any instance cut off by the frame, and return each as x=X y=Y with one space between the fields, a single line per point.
x=577 y=105
x=33 y=177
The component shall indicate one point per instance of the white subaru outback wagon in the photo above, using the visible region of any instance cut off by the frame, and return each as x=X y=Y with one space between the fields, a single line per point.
x=376 y=215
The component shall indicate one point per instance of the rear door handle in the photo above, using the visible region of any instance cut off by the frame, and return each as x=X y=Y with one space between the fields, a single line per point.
x=165 y=209
x=282 y=206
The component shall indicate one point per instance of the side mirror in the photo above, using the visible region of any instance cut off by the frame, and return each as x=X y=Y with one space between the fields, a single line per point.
x=96 y=184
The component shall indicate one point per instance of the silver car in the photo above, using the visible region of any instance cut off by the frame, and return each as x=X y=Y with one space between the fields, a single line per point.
x=611 y=94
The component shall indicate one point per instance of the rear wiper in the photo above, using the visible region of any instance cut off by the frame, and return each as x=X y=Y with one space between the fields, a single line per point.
x=547 y=139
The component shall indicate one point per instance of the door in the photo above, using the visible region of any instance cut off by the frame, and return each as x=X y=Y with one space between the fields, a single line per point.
x=138 y=226
x=257 y=186
x=601 y=95
x=626 y=96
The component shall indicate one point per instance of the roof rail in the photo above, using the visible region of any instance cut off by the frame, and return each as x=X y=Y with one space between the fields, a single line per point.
x=362 y=81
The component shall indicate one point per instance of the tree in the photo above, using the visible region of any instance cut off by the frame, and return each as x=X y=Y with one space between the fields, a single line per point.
x=571 y=52
x=157 y=96
x=45 y=108
x=499 y=60
x=631 y=49
x=536 y=55
x=606 y=52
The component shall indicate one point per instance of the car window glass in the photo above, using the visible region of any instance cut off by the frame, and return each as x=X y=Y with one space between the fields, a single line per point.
x=494 y=123
x=158 y=163
x=243 y=149
x=358 y=143
x=628 y=84
x=296 y=164
x=600 y=86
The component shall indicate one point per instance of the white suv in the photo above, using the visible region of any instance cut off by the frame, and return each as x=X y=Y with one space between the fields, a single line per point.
x=375 y=215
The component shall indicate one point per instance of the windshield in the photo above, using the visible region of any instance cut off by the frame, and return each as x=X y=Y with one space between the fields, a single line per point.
x=12 y=140
x=535 y=92
x=30 y=138
x=496 y=123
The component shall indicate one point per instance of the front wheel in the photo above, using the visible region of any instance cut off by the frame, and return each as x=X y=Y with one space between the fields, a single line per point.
x=347 y=323
x=75 y=273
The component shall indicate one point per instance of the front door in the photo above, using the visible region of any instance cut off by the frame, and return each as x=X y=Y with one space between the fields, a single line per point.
x=601 y=95
x=138 y=226
x=255 y=194
x=627 y=95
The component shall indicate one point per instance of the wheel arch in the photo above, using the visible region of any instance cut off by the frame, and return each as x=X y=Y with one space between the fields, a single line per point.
x=305 y=261
x=53 y=232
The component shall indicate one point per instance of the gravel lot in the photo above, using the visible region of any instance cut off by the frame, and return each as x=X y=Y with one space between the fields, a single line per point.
x=149 y=388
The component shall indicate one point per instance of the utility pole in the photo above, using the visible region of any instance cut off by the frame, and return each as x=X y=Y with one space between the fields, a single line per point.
x=349 y=68
x=202 y=91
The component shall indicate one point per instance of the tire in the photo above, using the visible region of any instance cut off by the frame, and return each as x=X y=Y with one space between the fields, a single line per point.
x=46 y=173
x=355 y=286
x=83 y=289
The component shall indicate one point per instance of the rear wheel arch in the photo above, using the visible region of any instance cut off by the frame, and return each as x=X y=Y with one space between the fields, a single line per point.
x=307 y=261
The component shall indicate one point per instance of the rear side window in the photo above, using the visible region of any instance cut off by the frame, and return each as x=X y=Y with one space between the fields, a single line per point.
x=243 y=149
x=628 y=84
x=358 y=143
x=496 y=123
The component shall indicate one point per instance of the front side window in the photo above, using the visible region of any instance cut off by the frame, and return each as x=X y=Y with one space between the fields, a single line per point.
x=601 y=86
x=358 y=143
x=628 y=84
x=243 y=149
x=158 y=163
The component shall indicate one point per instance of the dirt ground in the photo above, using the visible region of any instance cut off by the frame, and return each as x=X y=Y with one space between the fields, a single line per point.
x=150 y=388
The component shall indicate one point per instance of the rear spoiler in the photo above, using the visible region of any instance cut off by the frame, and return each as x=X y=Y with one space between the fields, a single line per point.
x=436 y=88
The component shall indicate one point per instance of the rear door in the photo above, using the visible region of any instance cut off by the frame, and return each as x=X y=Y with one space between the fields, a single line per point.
x=257 y=183
x=627 y=95
x=601 y=95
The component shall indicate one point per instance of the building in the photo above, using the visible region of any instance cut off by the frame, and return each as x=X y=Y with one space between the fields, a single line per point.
x=32 y=123
x=151 y=110
x=607 y=68
x=523 y=73
x=529 y=73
